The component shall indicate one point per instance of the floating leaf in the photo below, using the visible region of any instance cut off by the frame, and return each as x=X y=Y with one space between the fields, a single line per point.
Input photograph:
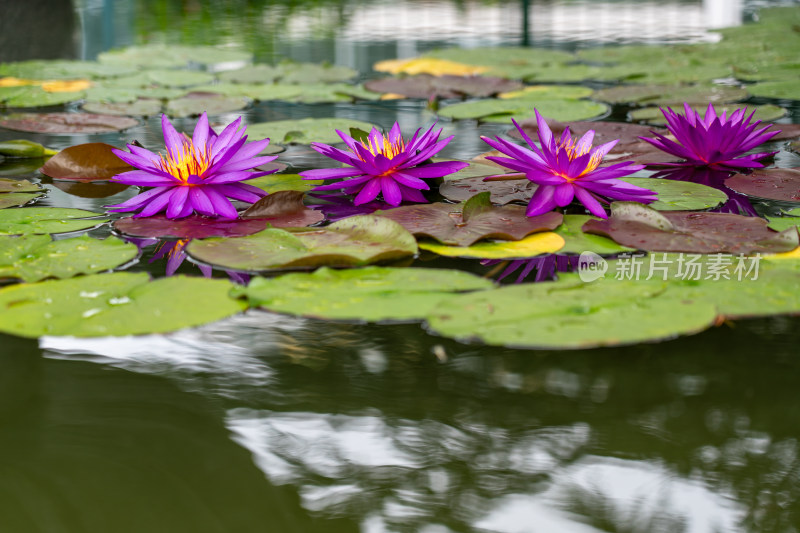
x=113 y=304
x=624 y=132
x=549 y=92
x=637 y=226
x=66 y=123
x=195 y=104
x=24 y=149
x=577 y=241
x=671 y=95
x=37 y=97
x=680 y=195
x=774 y=183
x=85 y=162
x=305 y=131
x=476 y=169
x=16 y=199
x=283 y=209
x=284 y=182
x=252 y=74
x=765 y=113
x=519 y=189
x=191 y=227
x=522 y=108
x=28 y=220
x=371 y=294
x=258 y=92
x=531 y=246
x=576 y=315
x=60 y=69
x=16 y=185
x=353 y=241
x=786 y=89
x=171 y=55
x=90 y=189
x=36 y=257
x=312 y=73
x=141 y=108
x=427 y=86
x=448 y=224
x=179 y=78
x=776 y=223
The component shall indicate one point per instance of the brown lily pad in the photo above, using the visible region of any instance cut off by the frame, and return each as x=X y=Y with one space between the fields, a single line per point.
x=90 y=189
x=638 y=226
x=503 y=191
x=66 y=123
x=427 y=86
x=773 y=183
x=787 y=131
x=85 y=162
x=475 y=221
x=284 y=209
x=191 y=227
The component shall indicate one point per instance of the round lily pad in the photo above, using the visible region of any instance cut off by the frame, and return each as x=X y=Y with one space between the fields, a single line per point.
x=85 y=162
x=179 y=78
x=773 y=183
x=195 y=104
x=427 y=86
x=680 y=195
x=171 y=55
x=671 y=94
x=577 y=315
x=252 y=74
x=367 y=294
x=113 y=304
x=549 y=92
x=17 y=185
x=192 y=227
x=27 y=220
x=522 y=108
x=537 y=244
x=305 y=131
x=36 y=257
x=61 y=69
x=576 y=241
x=519 y=189
x=354 y=241
x=786 y=89
x=312 y=73
x=34 y=96
x=284 y=182
x=16 y=199
x=66 y=123
x=139 y=107
x=766 y=113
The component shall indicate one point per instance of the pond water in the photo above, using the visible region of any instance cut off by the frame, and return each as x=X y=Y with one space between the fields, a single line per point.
x=263 y=422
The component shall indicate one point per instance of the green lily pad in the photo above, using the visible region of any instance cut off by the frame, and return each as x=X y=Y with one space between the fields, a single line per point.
x=427 y=86
x=671 y=94
x=545 y=242
x=506 y=62
x=16 y=185
x=36 y=257
x=179 y=78
x=284 y=182
x=559 y=73
x=170 y=56
x=367 y=294
x=194 y=104
x=474 y=170
x=550 y=92
x=638 y=226
x=34 y=96
x=765 y=113
x=775 y=223
x=676 y=195
x=786 y=90
x=354 y=241
x=60 y=69
x=305 y=131
x=314 y=73
x=28 y=220
x=577 y=241
x=476 y=219
x=577 y=315
x=24 y=149
x=522 y=108
x=258 y=92
x=66 y=123
x=138 y=108
x=113 y=304
x=252 y=74
x=16 y=199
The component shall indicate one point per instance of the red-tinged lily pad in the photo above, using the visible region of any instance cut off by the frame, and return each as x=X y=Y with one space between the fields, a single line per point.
x=448 y=86
x=192 y=227
x=773 y=183
x=476 y=220
x=604 y=132
x=284 y=209
x=503 y=191
x=638 y=226
x=355 y=241
x=66 y=123
x=787 y=131
x=85 y=162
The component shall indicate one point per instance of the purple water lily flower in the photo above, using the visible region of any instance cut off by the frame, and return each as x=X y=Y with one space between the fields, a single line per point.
x=566 y=169
x=387 y=165
x=715 y=141
x=196 y=175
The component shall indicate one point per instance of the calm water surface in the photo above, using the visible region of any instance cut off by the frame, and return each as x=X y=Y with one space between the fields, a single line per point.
x=263 y=422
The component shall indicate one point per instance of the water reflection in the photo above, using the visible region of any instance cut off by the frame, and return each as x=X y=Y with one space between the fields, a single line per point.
x=372 y=423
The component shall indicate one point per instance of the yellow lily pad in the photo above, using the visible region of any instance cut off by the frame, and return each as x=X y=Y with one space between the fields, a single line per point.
x=537 y=244
x=427 y=65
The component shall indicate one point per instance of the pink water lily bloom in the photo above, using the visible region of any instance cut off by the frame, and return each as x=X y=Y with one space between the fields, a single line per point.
x=385 y=164
x=566 y=169
x=197 y=175
x=714 y=141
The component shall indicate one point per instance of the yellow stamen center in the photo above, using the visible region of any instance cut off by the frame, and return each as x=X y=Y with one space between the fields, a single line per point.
x=188 y=161
x=574 y=152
